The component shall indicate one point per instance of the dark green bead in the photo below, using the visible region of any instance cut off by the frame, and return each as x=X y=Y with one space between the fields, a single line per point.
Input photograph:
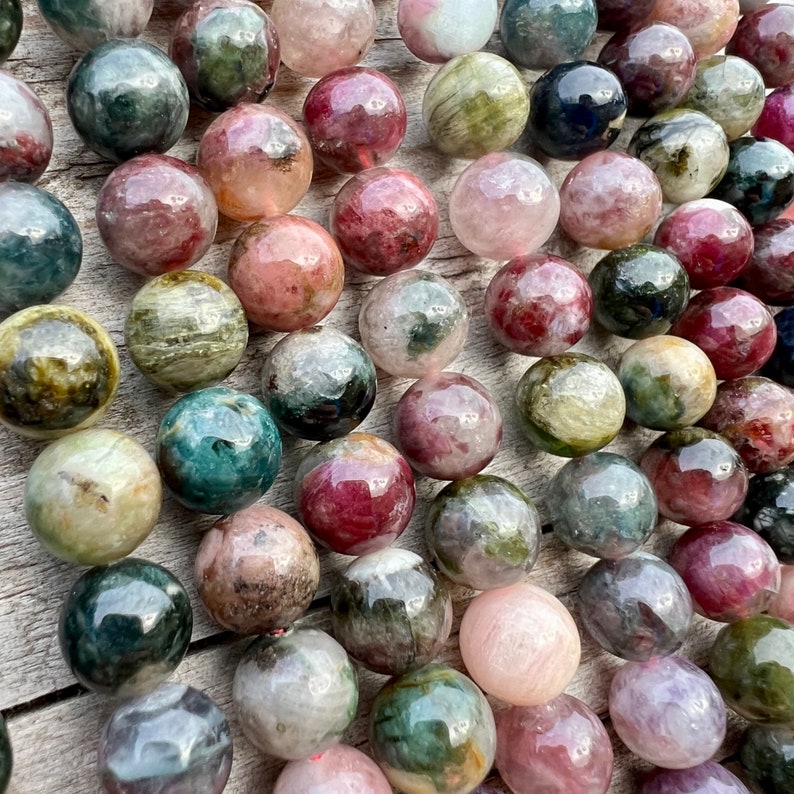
x=767 y=756
x=769 y=510
x=10 y=30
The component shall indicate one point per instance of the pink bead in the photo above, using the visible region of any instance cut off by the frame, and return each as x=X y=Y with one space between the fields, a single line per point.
x=609 y=200
x=520 y=644
x=708 y=24
x=783 y=605
x=504 y=205
x=770 y=274
x=777 y=118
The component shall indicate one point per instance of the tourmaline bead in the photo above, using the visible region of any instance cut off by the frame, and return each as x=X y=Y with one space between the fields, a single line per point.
x=711 y=239
x=708 y=24
x=6 y=756
x=783 y=604
x=355 y=119
x=438 y=30
x=609 y=200
x=538 y=305
x=669 y=383
x=173 y=739
x=413 y=323
x=125 y=97
x=769 y=510
x=655 y=63
x=770 y=274
x=729 y=90
x=341 y=769
x=218 y=450
x=41 y=247
x=622 y=14
x=92 y=497
x=777 y=117
x=321 y=36
x=257 y=161
x=508 y=191
x=355 y=494
x=295 y=692
x=448 y=426
x=780 y=366
x=256 y=570
x=432 y=729
x=765 y=37
x=602 y=504
x=696 y=474
x=82 y=24
x=384 y=220
x=319 y=383
x=638 y=291
x=25 y=130
x=767 y=758
x=520 y=644
x=756 y=415
x=59 y=371
x=228 y=52
x=10 y=31
x=124 y=628
x=706 y=778
x=730 y=572
x=576 y=109
x=287 y=272
x=667 y=711
x=759 y=181
x=156 y=214
x=475 y=104
x=483 y=532
x=559 y=747
x=570 y=404
x=390 y=611
x=539 y=34
x=686 y=150
x=752 y=662
x=185 y=331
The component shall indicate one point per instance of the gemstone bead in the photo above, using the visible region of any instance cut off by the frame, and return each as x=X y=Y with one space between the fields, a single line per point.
x=765 y=37
x=777 y=117
x=6 y=756
x=770 y=274
x=769 y=510
x=83 y=24
x=706 y=778
x=783 y=605
x=125 y=627
x=341 y=769
x=10 y=31
x=780 y=366
x=175 y=738
x=767 y=758
x=622 y=14
x=92 y=497
x=708 y=24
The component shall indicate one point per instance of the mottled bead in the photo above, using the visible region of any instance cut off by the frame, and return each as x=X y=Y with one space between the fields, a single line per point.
x=125 y=97
x=622 y=14
x=287 y=272
x=669 y=382
x=64 y=354
x=706 y=778
x=483 y=532
x=769 y=510
x=295 y=692
x=124 y=628
x=780 y=366
x=708 y=24
x=667 y=711
x=390 y=611
x=602 y=504
x=156 y=214
x=520 y=644
x=228 y=52
x=257 y=161
x=83 y=24
x=770 y=274
x=506 y=191
x=776 y=120
x=384 y=220
x=752 y=662
x=10 y=31
x=765 y=37
x=319 y=383
x=475 y=104
x=413 y=323
x=173 y=739
x=570 y=404
x=256 y=570
x=767 y=758
x=538 y=305
x=92 y=497
x=559 y=747
x=341 y=769
x=355 y=494
x=218 y=450
x=432 y=730
x=6 y=756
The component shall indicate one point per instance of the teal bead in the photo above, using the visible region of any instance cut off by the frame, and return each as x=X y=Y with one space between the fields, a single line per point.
x=125 y=627
x=218 y=450
x=6 y=756
x=10 y=30
x=767 y=757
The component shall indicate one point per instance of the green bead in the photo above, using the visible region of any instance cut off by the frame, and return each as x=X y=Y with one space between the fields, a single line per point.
x=767 y=757
x=6 y=756
x=10 y=30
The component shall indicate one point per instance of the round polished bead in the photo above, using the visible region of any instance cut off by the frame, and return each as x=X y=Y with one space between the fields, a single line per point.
x=10 y=30
x=770 y=274
x=780 y=366
x=783 y=604
x=777 y=117
x=769 y=510
x=765 y=37
x=622 y=14
x=341 y=769
x=708 y=24
x=706 y=778
x=85 y=23
x=767 y=758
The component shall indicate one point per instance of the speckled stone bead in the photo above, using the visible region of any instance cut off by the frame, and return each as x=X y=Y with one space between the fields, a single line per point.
x=432 y=727
x=777 y=117
x=475 y=104
x=11 y=29
x=295 y=692
x=570 y=404
x=64 y=354
x=82 y=24
x=706 y=778
x=173 y=739
x=767 y=758
x=708 y=24
x=769 y=510
x=116 y=113
x=6 y=756
x=483 y=532
x=765 y=37
x=218 y=450
x=770 y=273
x=125 y=627
x=228 y=52
x=185 y=331
x=92 y=497
x=341 y=769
